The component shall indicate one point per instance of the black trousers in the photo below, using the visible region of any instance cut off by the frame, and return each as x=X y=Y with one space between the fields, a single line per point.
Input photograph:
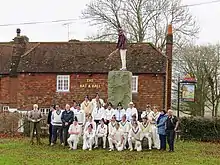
x=65 y=134
x=162 y=142
x=170 y=139
x=57 y=130
x=50 y=133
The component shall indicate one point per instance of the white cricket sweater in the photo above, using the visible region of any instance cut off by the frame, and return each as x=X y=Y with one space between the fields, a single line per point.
x=56 y=118
x=102 y=129
x=80 y=115
x=135 y=133
x=98 y=113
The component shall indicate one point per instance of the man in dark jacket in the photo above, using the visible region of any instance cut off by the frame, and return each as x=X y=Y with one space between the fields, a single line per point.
x=67 y=119
x=49 y=124
x=121 y=46
x=172 y=123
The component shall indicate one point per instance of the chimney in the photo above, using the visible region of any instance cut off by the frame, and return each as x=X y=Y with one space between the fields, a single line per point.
x=19 y=48
x=169 y=53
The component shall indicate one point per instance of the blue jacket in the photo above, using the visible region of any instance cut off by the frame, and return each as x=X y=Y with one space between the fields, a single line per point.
x=161 y=125
x=67 y=116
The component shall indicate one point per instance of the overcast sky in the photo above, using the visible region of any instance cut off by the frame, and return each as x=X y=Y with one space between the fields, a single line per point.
x=13 y=11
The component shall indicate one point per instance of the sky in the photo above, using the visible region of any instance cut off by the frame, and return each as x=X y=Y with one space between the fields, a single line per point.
x=207 y=17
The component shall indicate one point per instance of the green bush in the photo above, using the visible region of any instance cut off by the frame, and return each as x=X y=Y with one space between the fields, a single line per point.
x=200 y=129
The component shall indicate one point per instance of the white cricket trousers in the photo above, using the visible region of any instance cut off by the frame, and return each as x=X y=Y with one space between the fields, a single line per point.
x=88 y=142
x=118 y=144
x=136 y=143
x=123 y=58
x=103 y=138
x=73 y=141
x=156 y=138
x=147 y=135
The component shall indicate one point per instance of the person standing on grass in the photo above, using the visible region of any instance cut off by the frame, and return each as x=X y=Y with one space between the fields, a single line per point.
x=75 y=131
x=35 y=117
x=49 y=123
x=161 y=122
x=131 y=110
x=57 y=125
x=89 y=138
x=80 y=114
x=119 y=112
x=172 y=124
x=101 y=132
x=67 y=120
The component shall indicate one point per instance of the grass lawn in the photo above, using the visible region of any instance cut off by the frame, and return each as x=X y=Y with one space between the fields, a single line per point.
x=19 y=152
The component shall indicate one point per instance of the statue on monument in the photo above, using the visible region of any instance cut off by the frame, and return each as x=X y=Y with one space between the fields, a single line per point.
x=121 y=47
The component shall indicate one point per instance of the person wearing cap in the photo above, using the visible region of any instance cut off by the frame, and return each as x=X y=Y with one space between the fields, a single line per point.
x=112 y=125
x=80 y=114
x=74 y=131
x=155 y=135
x=97 y=100
x=116 y=138
x=121 y=46
x=67 y=119
x=125 y=126
x=148 y=112
x=135 y=137
x=86 y=106
x=35 y=117
x=73 y=108
x=109 y=112
x=98 y=113
x=131 y=110
x=89 y=138
x=57 y=125
x=90 y=122
x=146 y=131
x=101 y=132
x=119 y=112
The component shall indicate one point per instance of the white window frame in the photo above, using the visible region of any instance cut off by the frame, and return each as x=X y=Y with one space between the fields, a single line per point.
x=5 y=108
x=136 y=85
x=62 y=77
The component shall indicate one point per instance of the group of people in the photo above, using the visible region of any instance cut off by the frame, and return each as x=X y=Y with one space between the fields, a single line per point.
x=120 y=128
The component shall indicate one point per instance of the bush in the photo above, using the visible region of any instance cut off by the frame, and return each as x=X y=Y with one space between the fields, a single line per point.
x=200 y=129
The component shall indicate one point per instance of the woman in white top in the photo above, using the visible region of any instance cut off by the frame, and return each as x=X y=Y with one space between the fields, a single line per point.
x=98 y=113
x=109 y=112
x=89 y=138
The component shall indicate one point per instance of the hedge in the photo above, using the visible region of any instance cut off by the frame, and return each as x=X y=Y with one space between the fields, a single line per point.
x=200 y=129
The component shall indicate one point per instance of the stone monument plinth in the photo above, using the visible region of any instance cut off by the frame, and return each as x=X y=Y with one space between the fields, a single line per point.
x=119 y=87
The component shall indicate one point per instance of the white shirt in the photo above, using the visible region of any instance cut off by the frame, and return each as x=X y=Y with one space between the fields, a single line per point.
x=149 y=114
x=86 y=107
x=119 y=114
x=155 y=117
x=145 y=128
x=109 y=114
x=125 y=126
x=98 y=113
x=130 y=112
x=135 y=133
x=111 y=127
x=81 y=116
x=88 y=123
x=94 y=103
x=56 y=118
x=72 y=109
x=117 y=134
x=75 y=128
x=102 y=129
x=88 y=134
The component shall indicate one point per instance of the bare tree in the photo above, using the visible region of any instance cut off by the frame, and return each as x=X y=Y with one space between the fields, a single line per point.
x=143 y=20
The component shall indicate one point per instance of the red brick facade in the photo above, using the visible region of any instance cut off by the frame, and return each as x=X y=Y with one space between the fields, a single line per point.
x=41 y=89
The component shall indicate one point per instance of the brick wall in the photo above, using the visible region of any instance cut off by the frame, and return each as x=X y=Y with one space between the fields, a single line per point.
x=41 y=89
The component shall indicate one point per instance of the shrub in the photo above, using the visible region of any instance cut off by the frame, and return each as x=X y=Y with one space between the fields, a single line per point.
x=200 y=129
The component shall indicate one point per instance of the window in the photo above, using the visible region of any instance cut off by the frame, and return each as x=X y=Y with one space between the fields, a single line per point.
x=45 y=111
x=134 y=85
x=5 y=108
x=63 y=83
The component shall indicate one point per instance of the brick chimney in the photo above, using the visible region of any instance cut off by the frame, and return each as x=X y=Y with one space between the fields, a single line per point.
x=169 y=53
x=19 y=48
